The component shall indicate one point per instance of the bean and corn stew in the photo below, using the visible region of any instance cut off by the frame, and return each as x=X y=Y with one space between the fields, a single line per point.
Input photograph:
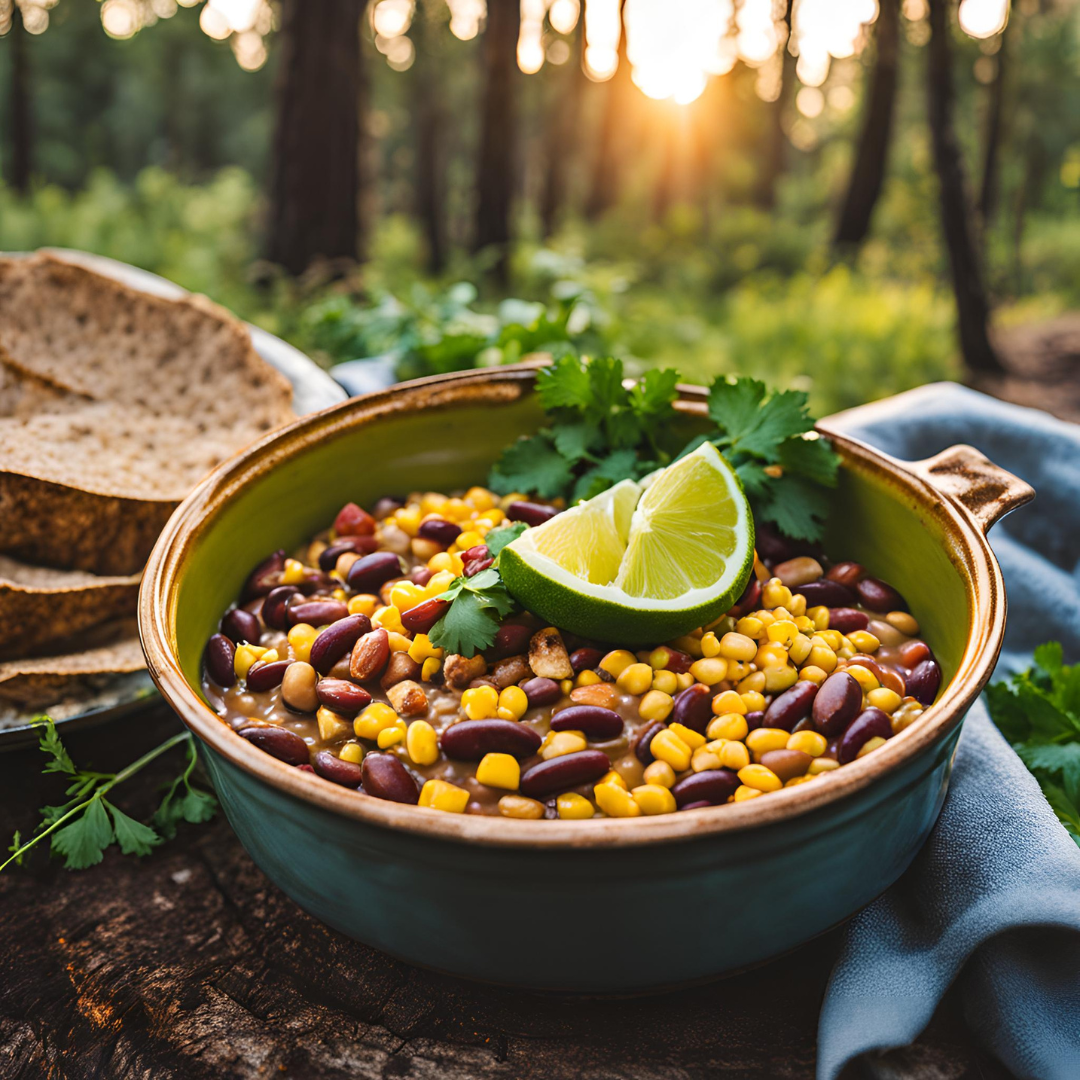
x=327 y=665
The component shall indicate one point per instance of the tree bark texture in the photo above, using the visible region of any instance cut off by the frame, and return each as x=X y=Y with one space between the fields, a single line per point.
x=777 y=147
x=497 y=161
x=995 y=108
x=430 y=122
x=317 y=177
x=604 y=184
x=972 y=306
x=560 y=142
x=872 y=150
x=21 y=114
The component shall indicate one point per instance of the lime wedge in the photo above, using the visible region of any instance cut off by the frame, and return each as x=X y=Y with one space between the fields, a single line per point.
x=640 y=564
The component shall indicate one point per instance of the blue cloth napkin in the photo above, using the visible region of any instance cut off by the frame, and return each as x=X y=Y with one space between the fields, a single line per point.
x=993 y=899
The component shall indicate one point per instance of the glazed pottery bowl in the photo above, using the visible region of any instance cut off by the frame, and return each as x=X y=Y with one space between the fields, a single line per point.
x=573 y=905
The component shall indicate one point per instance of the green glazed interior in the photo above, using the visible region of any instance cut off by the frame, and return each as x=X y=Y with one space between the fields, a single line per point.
x=872 y=520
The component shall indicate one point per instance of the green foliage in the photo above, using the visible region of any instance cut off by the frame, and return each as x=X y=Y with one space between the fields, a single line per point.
x=1038 y=711
x=477 y=605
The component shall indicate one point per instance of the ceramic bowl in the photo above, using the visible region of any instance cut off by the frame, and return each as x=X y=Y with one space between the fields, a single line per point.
x=601 y=906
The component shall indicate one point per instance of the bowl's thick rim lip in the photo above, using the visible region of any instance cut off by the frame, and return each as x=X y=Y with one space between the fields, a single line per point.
x=971 y=554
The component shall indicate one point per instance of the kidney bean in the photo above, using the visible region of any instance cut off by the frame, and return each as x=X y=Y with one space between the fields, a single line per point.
x=867 y=725
x=754 y=719
x=342 y=696
x=585 y=659
x=421 y=575
x=470 y=740
x=751 y=596
x=830 y=593
x=677 y=661
x=273 y=607
x=712 y=786
x=913 y=653
x=386 y=506
x=316 y=612
x=699 y=805
x=641 y=747
x=219 y=658
x=880 y=597
x=846 y=573
x=597 y=723
x=894 y=681
x=871 y=665
x=511 y=639
x=262 y=677
x=838 y=701
x=476 y=559
x=367 y=575
x=278 y=742
x=564 y=772
x=442 y=532
x=360 y=545
x=298 y=687
x=531 y=513
x=239 y=625
x=788 y=708
x=369 y=655
x=330 y=767
x=336 y=641
x=798 y=571
x=401 y=666
x=847 y=620
x=384 y=777
x=787 y=764
x=420 y=619
x=805 y=724
x=541 y=691
x=693 y=707
x=772 y=547
x=351 y=520
x=264 y=577
x=924 y=681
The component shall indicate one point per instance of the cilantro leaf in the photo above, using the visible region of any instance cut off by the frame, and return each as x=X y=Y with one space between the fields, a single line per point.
x=812 y=458
x=49 y=741
x=564 y=384
x=574 y=439
x=531 y=465
x=498 y=538
x=468 y=627
x=754 y=424
x=133 y=836
x=606 y=385
x=617 y=466
x=654 y=393
x=83 y=842
x=797 y=507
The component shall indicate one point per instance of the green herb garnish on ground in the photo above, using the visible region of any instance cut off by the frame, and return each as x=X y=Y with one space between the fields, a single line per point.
x=84 y=826
x=1039 y=713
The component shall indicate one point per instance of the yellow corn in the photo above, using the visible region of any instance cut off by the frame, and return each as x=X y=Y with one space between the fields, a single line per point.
x=799 y=649
x=667 y=746
x=408 y=519
x=734 y=755
x=870 y=745
x=375 y=718
x=421 y=743
x=833 y=638
x=457 y=510
x=822 y=764
x=293 y=573
x=813 y=674
x=332 y=725
x=301 y=638
x=468 y=540
x=517 y=806
x=405 y=595
x=499 y=770
x=574 y=807
x=864 y=641
x=447 y=561
x=863 y=676
x=612 y=777
x=421 y=649
x=751 y=627
x=710 y=645
x=439 y=583
x=819 y=616
x=757 y=776
x=391 y=736
x=653 y=799
x=432 y=502
x=780 y=679
x=660 y=772
x=809 y=742
x=363 y=604
x=728 y=726
x=753 y=700
x=430 y=668
x=617 y=661
x=557 y=743
x=389 y=618
x=709 y=671
x=797 y=607
x=763 y=739
x=656 y=705
x=703 y=758
x=587 y=678
x=805 y=625
x=440 y=795
x=728 y=701
x=667 y=682
x=398 y=642
x=783 y=631
x=353 y=752
x=514 y=699
x=821 y=656
x=480 y=499
x=888 y=701
x=692 y=738
x=738 y=647
x=742 y=793
x=245 y=656
x=684 y=680
x=480 y=702
x=688 y=644
x=754 y=683
x=616 y=801
x=771 y=655
x=635 y=678
x=795 y=781
x=775 y=594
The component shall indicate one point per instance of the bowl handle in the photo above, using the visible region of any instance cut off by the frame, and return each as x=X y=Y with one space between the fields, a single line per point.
x=984 y=489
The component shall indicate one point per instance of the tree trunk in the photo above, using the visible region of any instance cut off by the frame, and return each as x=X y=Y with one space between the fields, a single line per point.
x=560 y=143
x=430 y=121
x=872 y=152
x=316 y=177
x=776 y=151
x=21 y=110
x=497 y=162
x=604 y=184
x=972 y=307
x=988 y=190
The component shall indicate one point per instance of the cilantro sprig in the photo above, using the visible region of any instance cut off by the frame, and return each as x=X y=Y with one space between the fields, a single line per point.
x=87 y=823
x=1038 y=711
x=477 y=603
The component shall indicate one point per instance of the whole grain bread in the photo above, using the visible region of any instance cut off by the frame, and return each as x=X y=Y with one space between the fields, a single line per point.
x=40 y=605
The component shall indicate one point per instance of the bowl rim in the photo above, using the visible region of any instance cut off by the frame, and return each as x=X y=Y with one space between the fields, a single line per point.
x=970 y=553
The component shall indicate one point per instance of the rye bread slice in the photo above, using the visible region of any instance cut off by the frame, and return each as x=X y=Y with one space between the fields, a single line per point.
x=39 y=605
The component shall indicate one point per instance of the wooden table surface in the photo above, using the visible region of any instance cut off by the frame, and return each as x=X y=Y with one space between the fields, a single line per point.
x=191 y=964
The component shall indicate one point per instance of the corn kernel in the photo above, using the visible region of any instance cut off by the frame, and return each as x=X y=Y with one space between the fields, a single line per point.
x=480 y=499
x=587 y=678
x=332 y=725
x=805 y=625
x=469 y=539
x=616 y=801
x=517 y=806
x=480 y=702
x=863 y=641
x=766 y=618
x=795 y=781
x=758 y=776
x=710 y=645
x=866 y=679
x=775 y=594
x=819 y=616
x=660 y=772
x=813 y=674
x=352 y=752
x=750 y=627
x=656 y=705
x=421 y=743
x=742 y=793
x=797 y=607
x=703 y=758
x=782 y=631
x=391 y=736
x=430 y=668
x=405 y=595
x=491 y=519
x=667 y=746
x=666 y=682
x=635 y=678
x=617 y=661
x=293 y=573
x=557 y=743
x=822 y=764
x=734 y=755
x=870 y=745
x=799 y=649
x=421 y=649
x=777 y=680
x=574 y=807
x=514 y=699
x=446 y=561
x=375 y=718
x=821 y=656
x=432 y=502
x=457 y=510
x=781 y=614
x=398 y=642
x=408 y=519
x=763 y=739
x=689 y=645
x=389 y=618
x=653 y=799
x=684 y=680
x=709 y=671
x=833 y=638
x=363 y=604
x=738 y=647
x=301 y=638
x=245 y=656
x=500 y=771
x=754 y=683
x=728 y=702
x=771 y=655
x=692 y=738
x=753 y=700
x=440 y=795
x=888 y=701
x=728 y=726
x=809 y=742
x=903 y=622
x=439 y=583
x=338 y=594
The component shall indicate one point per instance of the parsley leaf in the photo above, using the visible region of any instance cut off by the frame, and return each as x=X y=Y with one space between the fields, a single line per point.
x=133 y=836
x=83 y=842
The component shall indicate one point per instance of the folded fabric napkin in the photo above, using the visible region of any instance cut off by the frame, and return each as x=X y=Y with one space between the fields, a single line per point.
x=993 y=899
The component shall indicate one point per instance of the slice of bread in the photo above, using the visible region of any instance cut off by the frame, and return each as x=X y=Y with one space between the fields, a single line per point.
x=39 y=605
